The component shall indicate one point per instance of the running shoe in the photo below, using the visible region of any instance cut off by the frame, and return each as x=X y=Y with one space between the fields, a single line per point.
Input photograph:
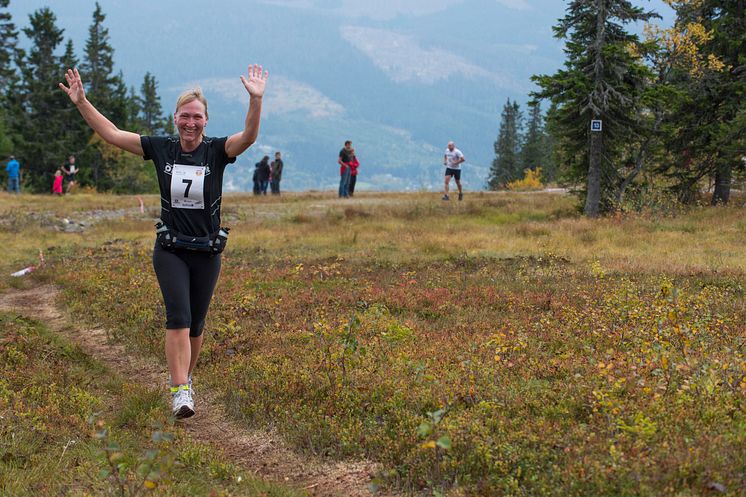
x=445 y=197
x=182 y=403
x=461 y=196
x=189 y=382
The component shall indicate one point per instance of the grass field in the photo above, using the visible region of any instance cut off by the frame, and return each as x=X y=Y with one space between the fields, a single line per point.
x=503 y=345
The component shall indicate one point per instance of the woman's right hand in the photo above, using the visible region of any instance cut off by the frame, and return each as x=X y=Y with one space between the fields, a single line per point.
x=74 y=89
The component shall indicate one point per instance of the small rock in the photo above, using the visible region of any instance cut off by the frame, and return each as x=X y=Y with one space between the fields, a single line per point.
x=718 y=487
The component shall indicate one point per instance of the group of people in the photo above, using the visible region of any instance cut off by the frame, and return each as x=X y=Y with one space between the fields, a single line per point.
x=66 y=172
x=348 y=165
x=268 y=174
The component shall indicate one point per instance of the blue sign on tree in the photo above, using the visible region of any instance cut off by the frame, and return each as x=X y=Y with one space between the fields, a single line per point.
x=596 y=125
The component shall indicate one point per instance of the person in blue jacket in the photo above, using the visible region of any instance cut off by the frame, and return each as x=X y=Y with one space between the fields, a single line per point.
x=13 y=168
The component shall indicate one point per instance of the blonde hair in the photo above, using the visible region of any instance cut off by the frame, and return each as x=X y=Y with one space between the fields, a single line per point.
x=191 y=95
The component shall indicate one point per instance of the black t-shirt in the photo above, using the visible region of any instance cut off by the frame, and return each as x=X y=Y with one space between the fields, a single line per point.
x=345 y=155
x=71 y=174
x=262 y=168
x=191 y=184
x=276 y=168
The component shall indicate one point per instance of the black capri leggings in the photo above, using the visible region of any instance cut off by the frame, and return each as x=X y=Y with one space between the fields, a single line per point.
x=187 y=280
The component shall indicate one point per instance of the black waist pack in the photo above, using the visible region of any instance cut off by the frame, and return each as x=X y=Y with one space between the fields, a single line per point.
x=170 y=239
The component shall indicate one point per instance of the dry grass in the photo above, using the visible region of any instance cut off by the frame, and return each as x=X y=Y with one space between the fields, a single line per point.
x=565 y=356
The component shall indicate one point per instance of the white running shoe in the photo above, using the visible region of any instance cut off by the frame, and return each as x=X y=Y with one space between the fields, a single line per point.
x=183 y=405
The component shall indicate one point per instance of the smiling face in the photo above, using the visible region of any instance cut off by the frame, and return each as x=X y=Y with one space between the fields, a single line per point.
x=190 y=120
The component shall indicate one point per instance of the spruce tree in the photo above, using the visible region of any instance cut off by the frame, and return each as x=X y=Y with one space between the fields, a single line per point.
x=152 y=112
x=534 y=152
x=602 y=80
x=709 y=122
x=41 y=111
x=168 y=125
x=69 y=59
x=506 y=166
x=134 y=107
x=8 y=52
x=106 y=90
x=97 y=68
x=8 y=48
x=75 y=131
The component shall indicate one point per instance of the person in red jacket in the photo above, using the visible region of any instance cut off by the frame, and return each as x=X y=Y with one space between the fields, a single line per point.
x=354 y=164
x=57 y=185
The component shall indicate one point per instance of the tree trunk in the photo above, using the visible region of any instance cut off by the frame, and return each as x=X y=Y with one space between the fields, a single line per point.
x=593 y=189
x=721 y=195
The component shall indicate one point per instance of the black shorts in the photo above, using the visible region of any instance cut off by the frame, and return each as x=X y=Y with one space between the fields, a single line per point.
x=456 y=173
x=187 y=280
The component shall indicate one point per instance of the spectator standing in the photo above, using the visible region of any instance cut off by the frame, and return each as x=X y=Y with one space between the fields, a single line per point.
x=13 y=168
x=255 y=179
x=345 y=171
x=70 y=170
x=57 y=185
x=275 y=173
x=263 y=174
x=354 y=164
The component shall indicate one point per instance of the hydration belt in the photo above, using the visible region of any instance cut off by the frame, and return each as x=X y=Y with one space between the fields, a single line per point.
x=170 y=239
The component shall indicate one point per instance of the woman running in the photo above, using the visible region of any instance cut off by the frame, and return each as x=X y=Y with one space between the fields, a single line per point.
x=186 y=257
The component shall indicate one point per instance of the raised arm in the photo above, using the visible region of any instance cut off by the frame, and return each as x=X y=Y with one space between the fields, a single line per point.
x=125 y=140
x=236 y=144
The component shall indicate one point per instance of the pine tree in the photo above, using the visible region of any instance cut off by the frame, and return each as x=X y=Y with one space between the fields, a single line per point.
x=709 y=121
x=8 y=48
x=97 y=68
x=69 y=59
x=40 y=110
x=75 y=131
x=506 y=166
x=534 y=152
x=134 y=107
x=8 y=52
x=553 y=137
x=602 y=80
x=152 y=112
x=168 y=125
x=107 y=91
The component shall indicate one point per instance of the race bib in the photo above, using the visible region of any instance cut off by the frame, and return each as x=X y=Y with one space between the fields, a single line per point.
x=187 y=187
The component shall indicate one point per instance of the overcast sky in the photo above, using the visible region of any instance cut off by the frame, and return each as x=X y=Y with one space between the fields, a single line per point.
x=411 y=73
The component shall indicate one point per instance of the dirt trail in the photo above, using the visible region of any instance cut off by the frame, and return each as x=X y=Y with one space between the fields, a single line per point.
x=257 y=451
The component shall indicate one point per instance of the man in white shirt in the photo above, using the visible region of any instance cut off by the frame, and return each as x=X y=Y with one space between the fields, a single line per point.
x=452 y=160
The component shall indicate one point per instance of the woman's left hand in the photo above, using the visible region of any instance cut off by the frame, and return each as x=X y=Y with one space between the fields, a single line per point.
x=256 y=81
